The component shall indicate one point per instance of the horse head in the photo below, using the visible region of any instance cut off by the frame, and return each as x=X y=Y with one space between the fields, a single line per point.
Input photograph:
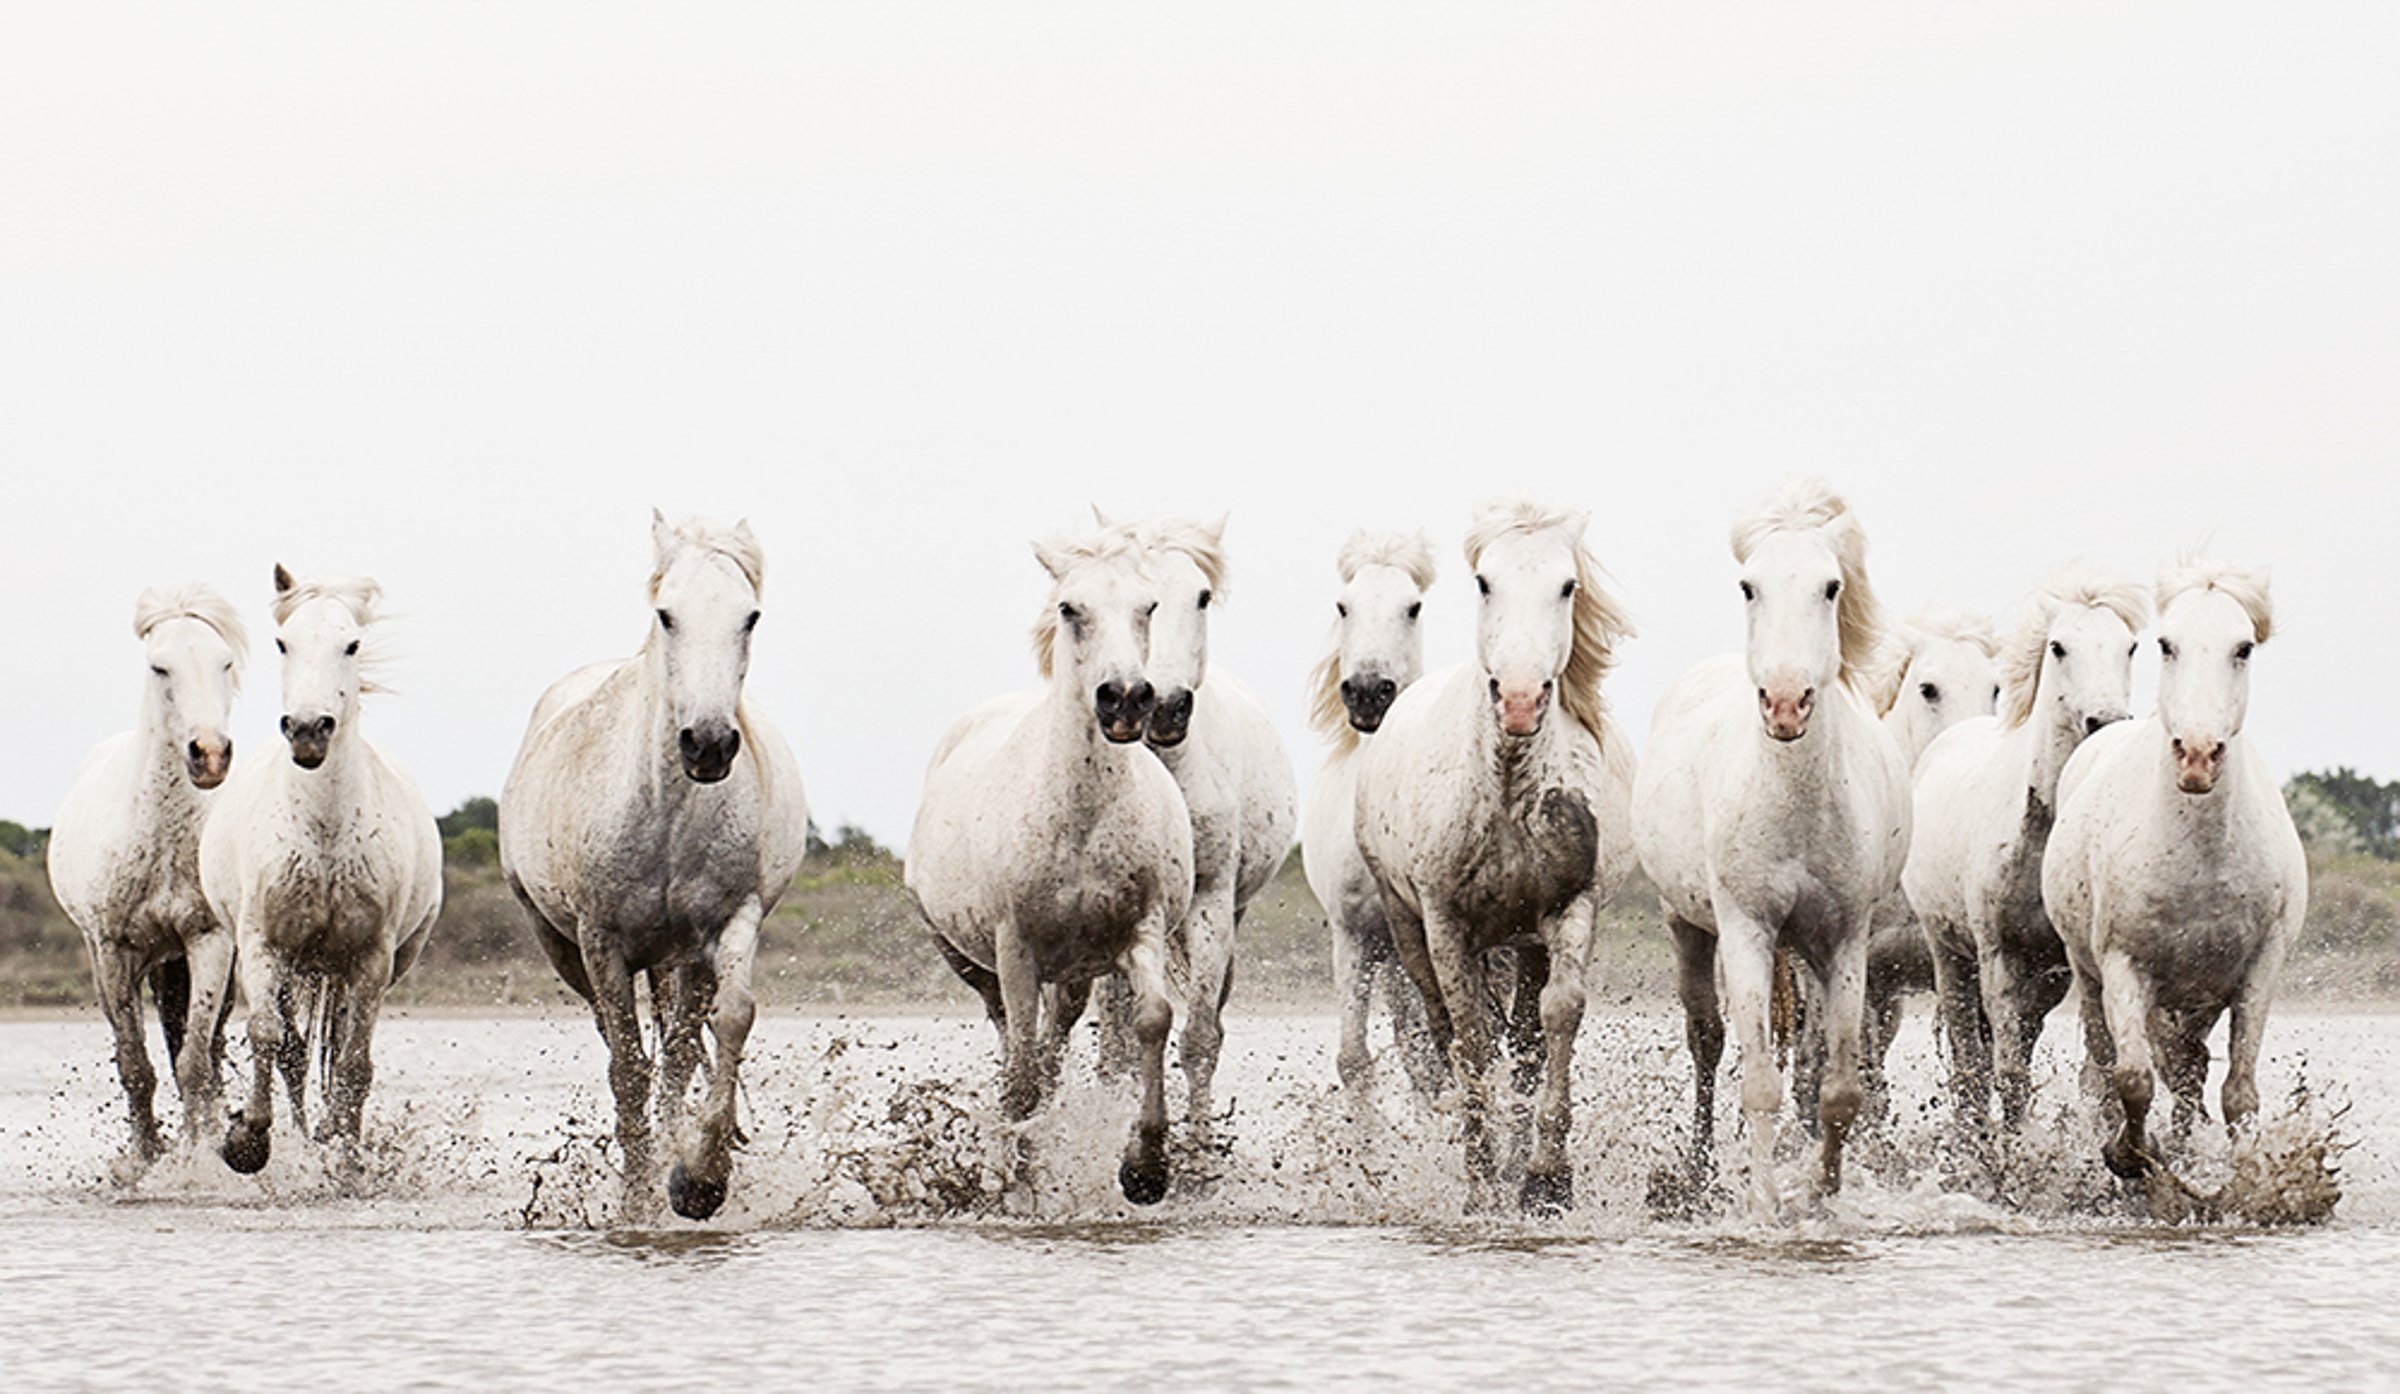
x=1187 y=562
x=2210 y=620
x=1812 y=619
x=2073 y=652
x=320 y=627
x=704 y=595
x=195 y=646
x=1095 y=635
x=1379 y=647
x=1543 y=628
x=1949 y=675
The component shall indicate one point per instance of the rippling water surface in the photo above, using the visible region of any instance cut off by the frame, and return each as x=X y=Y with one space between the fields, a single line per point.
x=888 y=1231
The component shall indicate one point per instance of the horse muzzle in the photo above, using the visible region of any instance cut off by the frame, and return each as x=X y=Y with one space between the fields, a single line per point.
x=1368 y=700
x=208 y=761
x=1786 y=708
x=311 y=740
x=707 y=751
x=1124 y=712
x=1170 y=718
x=1522 y=706
x=2198 y=763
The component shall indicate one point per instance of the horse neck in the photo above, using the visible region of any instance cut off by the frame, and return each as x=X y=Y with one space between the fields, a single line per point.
x=166 y=802
x=330 y=797
x=2202 y=820
x=1515 y=767
x=1079 y=764
x=2050 y=738
x=1805 y=770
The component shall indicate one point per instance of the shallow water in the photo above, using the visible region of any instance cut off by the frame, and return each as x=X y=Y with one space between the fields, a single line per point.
x=887 y=1231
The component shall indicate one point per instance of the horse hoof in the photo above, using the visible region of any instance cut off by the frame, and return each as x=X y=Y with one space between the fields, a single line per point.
x=246 y=1146
x=692 y=1198
x=1547 y=1195
x=2126 y=1161
x=1143 y=1185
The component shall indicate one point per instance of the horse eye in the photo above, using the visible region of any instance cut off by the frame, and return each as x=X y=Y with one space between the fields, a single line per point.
x=279 y=648
x=1150 y=609
x=2057 y=649
x=1066 y=612
x=2166 y=649
x=1832 y=589
x=1482 y=586
x=2241 y=652
x=1749 y=592
x=1415 y=609
x=750 y=623
x=666 y=621
x=1995 y=692
x=351 y=648
x=1929 y=692
x=1567 y=589
x=2133 y=648
x=158 y=670
x=1341 y=609
x=1205 y=597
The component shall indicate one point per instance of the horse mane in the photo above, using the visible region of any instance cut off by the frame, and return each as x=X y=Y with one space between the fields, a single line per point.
x=1059 y=554
x=1811 y=505
x=1915 y=635
x=1203 y=544
x=2021 y=653
x=2248 y=589
x=735 y=544
x=1408 y=552
x=1600 y=622
x=194 y=600
x=356 y=593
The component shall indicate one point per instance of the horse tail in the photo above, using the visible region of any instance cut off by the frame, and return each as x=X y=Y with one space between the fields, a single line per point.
x=1783 y=1007
x=171 y=986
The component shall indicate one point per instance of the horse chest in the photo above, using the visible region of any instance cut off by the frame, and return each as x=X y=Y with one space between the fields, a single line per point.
x=1527 y=868
x=327 y=913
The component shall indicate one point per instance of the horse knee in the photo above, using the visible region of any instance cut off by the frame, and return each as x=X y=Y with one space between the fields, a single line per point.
x=2135 y=1089
x=736 y=1013
x=1762 y=1087
x=1153 y=1018
x=2239 y=1100
x=1838 y=1103
x=1562 y=1007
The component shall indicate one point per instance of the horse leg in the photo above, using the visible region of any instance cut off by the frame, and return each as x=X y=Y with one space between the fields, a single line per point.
x=2127 y=1001
x=1958 y=988
x=985 y=982
x=619 y=1019
x=697 y=1183
x=1142 y=1175
x=1703 y=1034
x=680 y=997
x=2003 y=1009
x=1746 y=956
x=350 y=1056
x=2181 y=1039
x=247 y=1134
x=1807 y=1036
x=1408 y=943
x=1459 y=975
x=1354 y=978
x=1549 y=1174
x=291 y=1053
x=1527 y=1022
x=1208 y=946
x=1021 y=1085
x=208 y=957
x=2099 y=1047
x=1062 y=1006
x=1412 y=1034
x=116 y=973
x=1113 y=1024
x=1882 y=1024
x=2239 y=1097
x=1844 y=999
x=171 y=990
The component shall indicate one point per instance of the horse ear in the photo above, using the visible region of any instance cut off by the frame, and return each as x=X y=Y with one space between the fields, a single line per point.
x=660 y=532
x=283 y=580
x=1050 y=559
x=1216 y=530
x=1576 y=523
x=742 y=530
x=1102 y=519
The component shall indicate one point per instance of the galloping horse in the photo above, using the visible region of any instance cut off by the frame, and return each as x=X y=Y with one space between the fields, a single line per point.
x=1772 y=812
x=1051 y=847
x=1491 y=820
x=327 y=866
x=641 y=840
x=125 y=857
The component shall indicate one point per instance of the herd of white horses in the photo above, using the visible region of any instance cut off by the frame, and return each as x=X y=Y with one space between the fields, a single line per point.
x=1844 y=811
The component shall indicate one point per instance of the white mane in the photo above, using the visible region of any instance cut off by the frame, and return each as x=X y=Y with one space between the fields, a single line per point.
x=735 y=544
x=1600 y=622
x=1408 y=552
x=2021 y=655
x=2247 y=589
x=1811 y=505
x=194 y=600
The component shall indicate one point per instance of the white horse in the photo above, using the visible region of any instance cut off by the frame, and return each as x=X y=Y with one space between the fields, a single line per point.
x=1221 y=746
x=327 y=866
x=641 y=842
x=1490 y=821
x=1378 y=651
x=2175 y=875
x=1986 y=794
x=1772 y=811
x=1946 y=672
x=1051 y=847
x=125 y=856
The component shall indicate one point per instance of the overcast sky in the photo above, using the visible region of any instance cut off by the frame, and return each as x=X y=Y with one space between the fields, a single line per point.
x=452 y=296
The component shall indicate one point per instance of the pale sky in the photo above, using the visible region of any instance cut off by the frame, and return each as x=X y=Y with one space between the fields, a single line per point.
x=452 y=296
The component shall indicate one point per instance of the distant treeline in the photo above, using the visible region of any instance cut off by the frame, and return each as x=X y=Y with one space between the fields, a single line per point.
x=846 y=933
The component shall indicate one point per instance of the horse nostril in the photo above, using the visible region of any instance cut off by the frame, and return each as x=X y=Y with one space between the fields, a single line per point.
x=2092 y=725
x=1386 y=690
x=1110 y=696
x=324 y=727
x=285 y=725
x=194 y=753
x=1495 y=689
x=1143 y=696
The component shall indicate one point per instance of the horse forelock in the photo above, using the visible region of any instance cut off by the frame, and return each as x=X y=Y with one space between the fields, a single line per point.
x=2071 y=586
x=1115 y=541
x=1200 y=542
x=1407 y=552
x=1600 y=622
x=1811 y=505
x=735 y=544
x=2248 y=589
x=194 y=600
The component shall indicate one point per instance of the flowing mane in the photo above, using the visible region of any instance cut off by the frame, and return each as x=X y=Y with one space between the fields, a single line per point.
x=2247 y=589
x=1600 y=622
x=1058 y=555
x=1811 y=505
x=1919 y=632
x=1410 y=553
x=2021 y=653
x=194 y=601
x=358 y=594
x=735 y=544
x=1205 y=545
